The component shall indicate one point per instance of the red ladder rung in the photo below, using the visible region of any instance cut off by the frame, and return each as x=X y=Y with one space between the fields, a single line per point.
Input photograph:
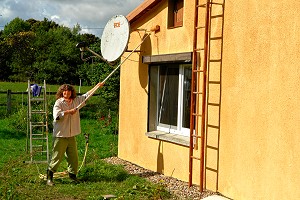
x=199 y=49
x=195 y=158
x=198 y=70
x=197 y=92
x=196 y=136
x=201 y=5
x=196 y=114
x=199 y=27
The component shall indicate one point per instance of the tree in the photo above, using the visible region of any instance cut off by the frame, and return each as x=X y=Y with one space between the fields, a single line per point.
x=43 y=50
x=15 y=26
x=42 y=26
x=5 y=56
x=56 y=49
x=22 y=56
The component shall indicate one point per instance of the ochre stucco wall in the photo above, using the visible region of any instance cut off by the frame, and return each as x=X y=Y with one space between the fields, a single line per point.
x=134 y=145
x=260 y=112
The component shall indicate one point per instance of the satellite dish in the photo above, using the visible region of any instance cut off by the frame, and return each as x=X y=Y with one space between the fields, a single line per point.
x=115 y=38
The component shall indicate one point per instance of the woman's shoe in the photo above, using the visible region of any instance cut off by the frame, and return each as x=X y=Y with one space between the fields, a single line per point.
x=50 y=178
x=74 y=178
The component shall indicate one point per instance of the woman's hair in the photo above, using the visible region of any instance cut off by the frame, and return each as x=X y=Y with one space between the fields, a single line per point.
x=63 y=88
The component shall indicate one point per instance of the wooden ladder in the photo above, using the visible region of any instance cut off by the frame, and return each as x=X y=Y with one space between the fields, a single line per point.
x=200 y=104
x=213 y=106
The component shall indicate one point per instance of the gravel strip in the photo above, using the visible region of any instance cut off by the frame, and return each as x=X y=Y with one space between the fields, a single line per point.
x=179 y=188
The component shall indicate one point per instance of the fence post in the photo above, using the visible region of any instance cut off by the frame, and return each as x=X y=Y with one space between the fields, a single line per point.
x=8 y=101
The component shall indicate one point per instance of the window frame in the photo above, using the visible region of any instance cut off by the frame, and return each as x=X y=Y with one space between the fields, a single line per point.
x=178 y=129
x=175 y=15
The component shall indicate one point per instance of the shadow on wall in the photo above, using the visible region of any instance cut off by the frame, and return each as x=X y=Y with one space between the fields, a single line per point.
x=143 y=68
x=160 y=158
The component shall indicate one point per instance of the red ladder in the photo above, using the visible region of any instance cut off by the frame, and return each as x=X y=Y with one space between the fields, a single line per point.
x=200 y=86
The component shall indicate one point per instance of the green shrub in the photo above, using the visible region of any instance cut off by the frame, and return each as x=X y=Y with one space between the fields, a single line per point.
x=18 y=120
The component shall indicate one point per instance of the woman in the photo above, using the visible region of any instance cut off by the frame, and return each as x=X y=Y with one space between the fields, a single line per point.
x=66 y=125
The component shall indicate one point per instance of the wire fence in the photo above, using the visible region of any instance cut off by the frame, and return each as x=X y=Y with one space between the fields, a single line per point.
x=12 y=101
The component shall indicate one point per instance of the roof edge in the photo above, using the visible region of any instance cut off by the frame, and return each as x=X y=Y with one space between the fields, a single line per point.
x=141 y=9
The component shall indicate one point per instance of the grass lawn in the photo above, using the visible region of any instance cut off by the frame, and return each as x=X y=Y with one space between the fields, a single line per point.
x=20 y=180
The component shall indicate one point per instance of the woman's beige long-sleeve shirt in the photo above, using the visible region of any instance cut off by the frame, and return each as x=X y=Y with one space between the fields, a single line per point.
x=66 y=125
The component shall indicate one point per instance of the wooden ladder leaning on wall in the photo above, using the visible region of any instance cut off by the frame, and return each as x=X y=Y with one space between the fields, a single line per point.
x=203 y=57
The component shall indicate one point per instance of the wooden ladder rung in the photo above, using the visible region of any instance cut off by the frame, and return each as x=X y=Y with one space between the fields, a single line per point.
x=216 y=16
x=216 y=3
x=215 y=60
x=214 y=82
x=216 y=38
x=211 y=169
x=212 y=147
x=213 y=104
x=213 y=126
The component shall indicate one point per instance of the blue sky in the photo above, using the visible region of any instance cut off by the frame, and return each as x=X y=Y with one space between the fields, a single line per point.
x=91 y=15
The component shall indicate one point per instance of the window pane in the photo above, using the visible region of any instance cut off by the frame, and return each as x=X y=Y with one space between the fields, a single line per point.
x=186 y=97
x=175 y=13
x=153 y=98
x=178 y=13
x=168 y=93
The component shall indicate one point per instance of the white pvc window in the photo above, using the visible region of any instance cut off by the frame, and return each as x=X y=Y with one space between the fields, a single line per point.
x=171 y=85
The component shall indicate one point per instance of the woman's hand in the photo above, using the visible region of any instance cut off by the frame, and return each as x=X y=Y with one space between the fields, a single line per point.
x=71 y=112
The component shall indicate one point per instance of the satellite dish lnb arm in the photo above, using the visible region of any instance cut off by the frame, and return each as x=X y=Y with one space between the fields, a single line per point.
x=96 y=54
x=83 y=46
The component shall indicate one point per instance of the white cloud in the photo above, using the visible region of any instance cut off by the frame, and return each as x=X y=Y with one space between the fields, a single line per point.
x=87 y=13
x=54 y=17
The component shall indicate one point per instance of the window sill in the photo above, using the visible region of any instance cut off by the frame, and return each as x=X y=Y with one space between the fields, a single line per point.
x=177 y=26
x=168 y=137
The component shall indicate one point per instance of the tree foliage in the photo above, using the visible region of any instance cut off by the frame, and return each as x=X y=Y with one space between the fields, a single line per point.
x=15 y=26
x=44 y=50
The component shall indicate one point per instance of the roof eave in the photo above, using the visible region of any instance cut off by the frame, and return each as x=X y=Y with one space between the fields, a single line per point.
x=146 y=6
